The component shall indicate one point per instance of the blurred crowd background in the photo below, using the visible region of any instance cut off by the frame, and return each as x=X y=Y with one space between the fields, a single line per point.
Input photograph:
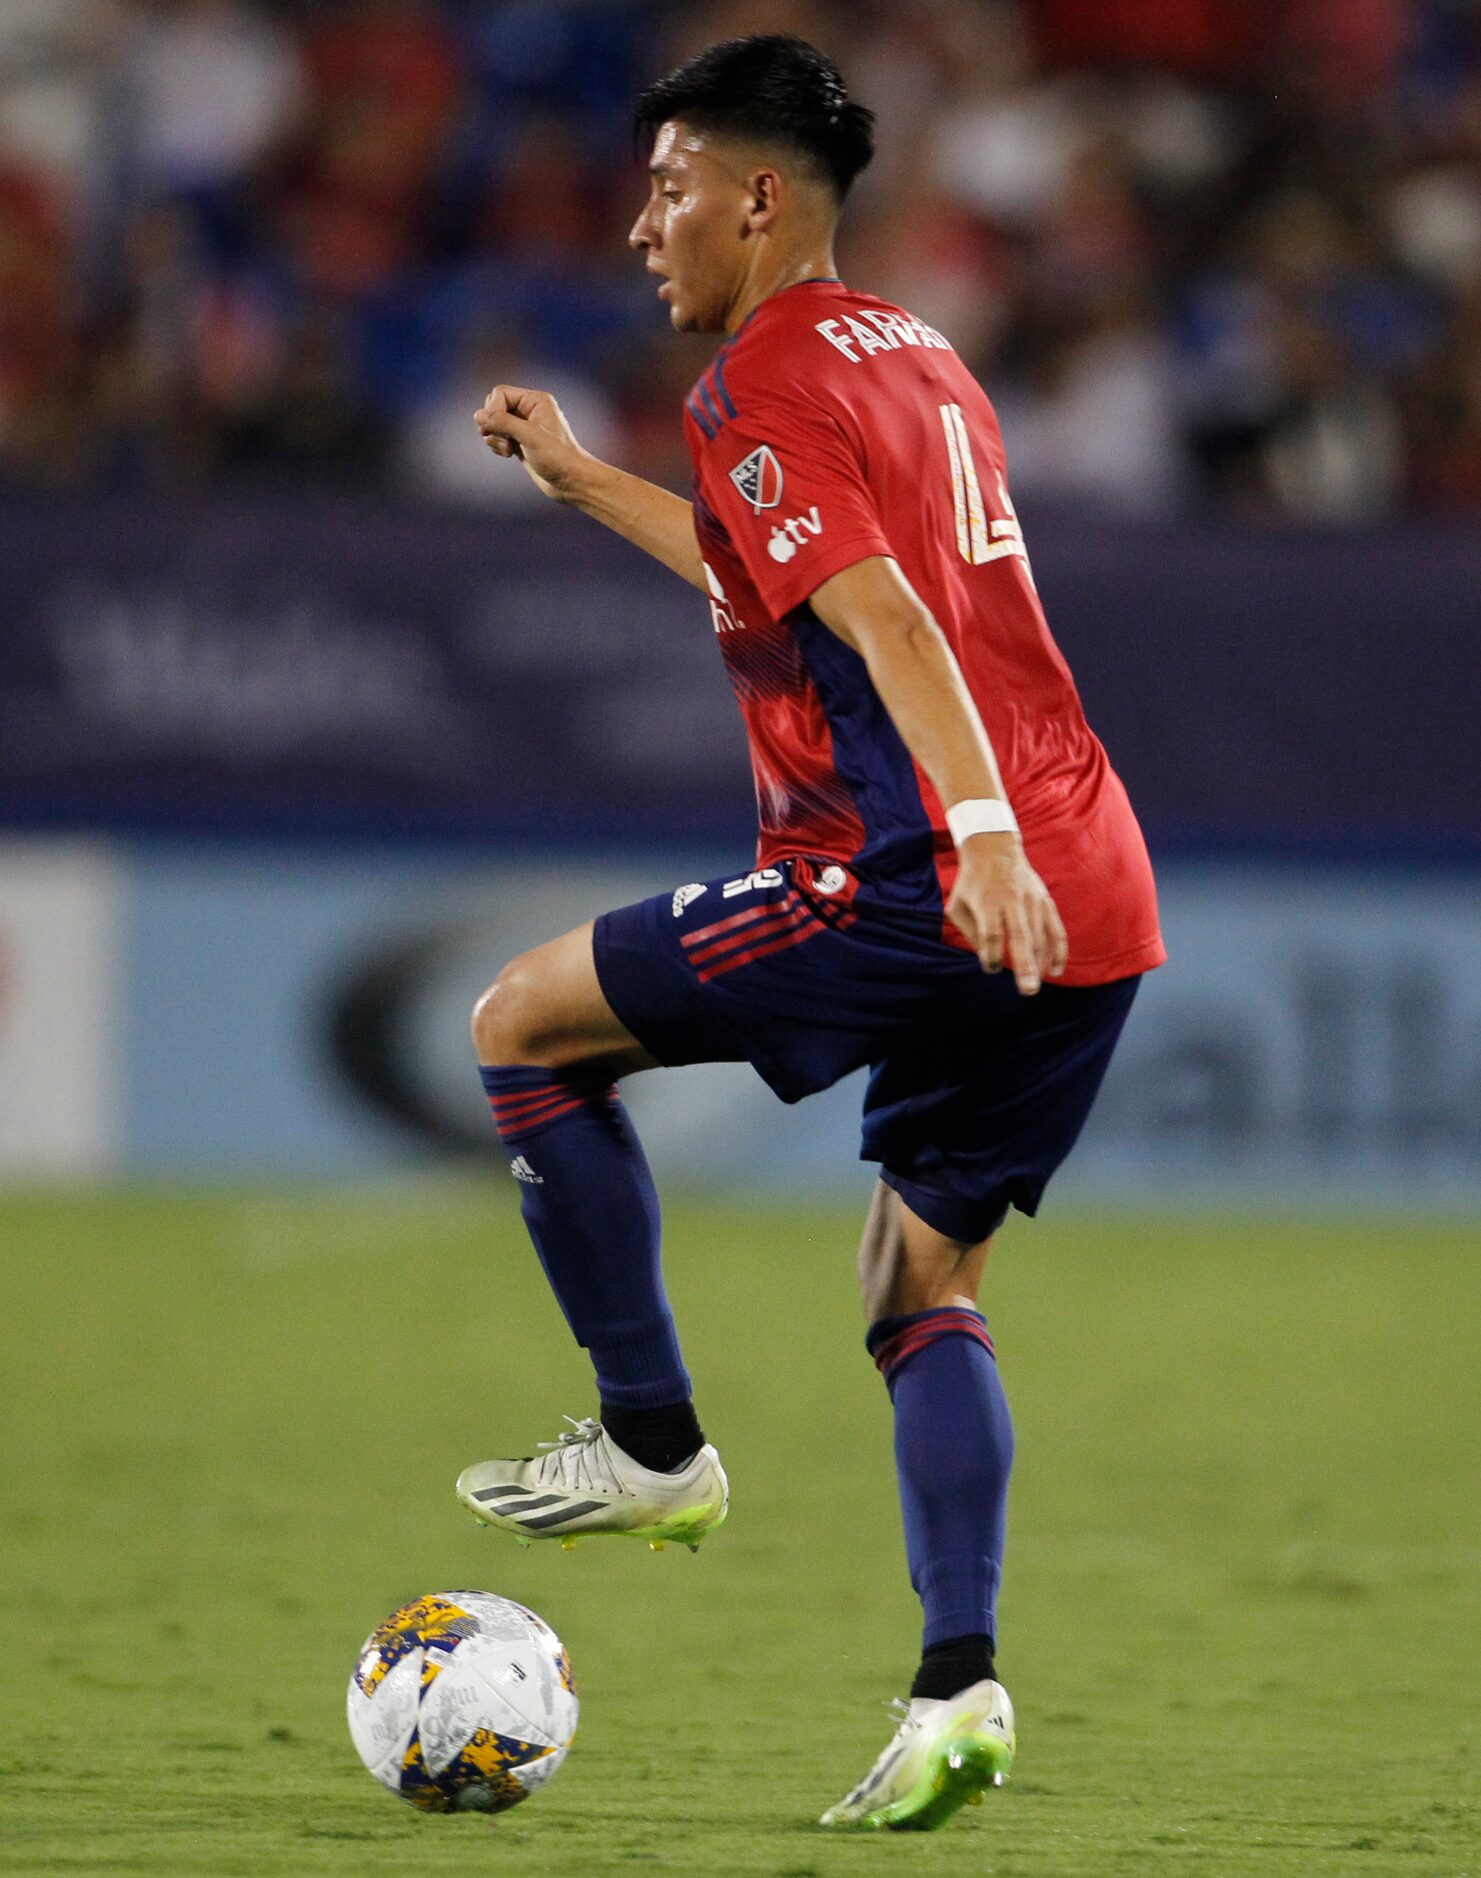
x=1210 y=256
x=304 y=693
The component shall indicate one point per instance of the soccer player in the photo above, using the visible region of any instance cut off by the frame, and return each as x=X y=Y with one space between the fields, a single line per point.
x=940 y=834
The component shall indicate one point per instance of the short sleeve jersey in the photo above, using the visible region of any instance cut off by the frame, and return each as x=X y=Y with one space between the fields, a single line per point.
x=833 y=427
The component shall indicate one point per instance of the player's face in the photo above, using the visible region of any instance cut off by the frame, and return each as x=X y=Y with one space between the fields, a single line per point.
x=694 y=228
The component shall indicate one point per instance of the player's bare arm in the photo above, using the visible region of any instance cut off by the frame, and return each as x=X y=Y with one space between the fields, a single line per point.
x=530 y=425
x=999 y=903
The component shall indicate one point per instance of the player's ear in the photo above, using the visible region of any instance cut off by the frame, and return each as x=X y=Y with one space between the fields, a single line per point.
x=765 y=188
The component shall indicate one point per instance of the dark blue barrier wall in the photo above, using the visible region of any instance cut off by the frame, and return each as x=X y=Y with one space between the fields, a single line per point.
x=265 y=665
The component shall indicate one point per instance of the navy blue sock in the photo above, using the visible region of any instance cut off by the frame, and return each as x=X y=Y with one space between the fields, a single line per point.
x=589 y=1202
x=953 y=1453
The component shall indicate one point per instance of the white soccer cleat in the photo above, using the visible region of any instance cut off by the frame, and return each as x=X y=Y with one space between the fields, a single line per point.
x=585 y=1484
x=944 y=1755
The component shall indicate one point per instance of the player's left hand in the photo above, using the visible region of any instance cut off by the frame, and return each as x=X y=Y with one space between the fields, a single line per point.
x=1006 y=913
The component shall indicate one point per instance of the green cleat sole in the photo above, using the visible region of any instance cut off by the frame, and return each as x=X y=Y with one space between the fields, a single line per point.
x=682 y=1531
x=959 y=1773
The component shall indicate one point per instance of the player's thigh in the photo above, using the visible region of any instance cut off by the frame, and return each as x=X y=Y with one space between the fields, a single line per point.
x=906 y=1265
x=971 y=1121
x=547 y=1009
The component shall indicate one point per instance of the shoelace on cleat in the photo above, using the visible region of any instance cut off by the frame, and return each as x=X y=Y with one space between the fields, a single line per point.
x=567 y=1461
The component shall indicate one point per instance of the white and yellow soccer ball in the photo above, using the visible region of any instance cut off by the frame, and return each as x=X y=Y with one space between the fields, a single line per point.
x=462 y=1702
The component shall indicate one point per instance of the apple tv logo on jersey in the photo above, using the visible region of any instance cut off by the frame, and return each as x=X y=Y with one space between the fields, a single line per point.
x=794 y=533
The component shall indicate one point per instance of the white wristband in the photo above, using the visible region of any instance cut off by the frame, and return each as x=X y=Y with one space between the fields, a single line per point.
x=984 y=815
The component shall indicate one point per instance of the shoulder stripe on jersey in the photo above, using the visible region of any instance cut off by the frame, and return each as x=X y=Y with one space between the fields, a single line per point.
x=702 y=403
x=692 y=407
x=718 y=373
x=702 y=392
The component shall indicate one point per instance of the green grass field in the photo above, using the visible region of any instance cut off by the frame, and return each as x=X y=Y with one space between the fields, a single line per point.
x=1241 y=1619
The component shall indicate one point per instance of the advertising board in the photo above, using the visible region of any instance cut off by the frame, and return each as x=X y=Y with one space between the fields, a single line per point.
x=61 y=1031
x=1314 y=1041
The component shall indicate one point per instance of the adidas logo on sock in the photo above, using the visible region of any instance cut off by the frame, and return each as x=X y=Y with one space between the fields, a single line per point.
x=521 y=1170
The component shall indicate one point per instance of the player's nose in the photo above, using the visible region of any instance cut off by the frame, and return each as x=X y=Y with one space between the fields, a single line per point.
x=640 y=235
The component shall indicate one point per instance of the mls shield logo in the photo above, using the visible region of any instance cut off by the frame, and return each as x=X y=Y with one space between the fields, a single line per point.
x=759 y=479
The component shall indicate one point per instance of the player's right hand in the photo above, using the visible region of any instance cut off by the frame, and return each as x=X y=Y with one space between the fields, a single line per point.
x=530 y=425
x=1006 y=913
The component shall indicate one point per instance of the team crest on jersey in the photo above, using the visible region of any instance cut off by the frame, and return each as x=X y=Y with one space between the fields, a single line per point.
x=759 y=479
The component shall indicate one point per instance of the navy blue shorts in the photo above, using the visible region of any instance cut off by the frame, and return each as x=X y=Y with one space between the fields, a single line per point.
x=976 y=1093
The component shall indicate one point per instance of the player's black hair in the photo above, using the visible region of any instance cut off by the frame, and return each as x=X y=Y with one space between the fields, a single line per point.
x=769 y=88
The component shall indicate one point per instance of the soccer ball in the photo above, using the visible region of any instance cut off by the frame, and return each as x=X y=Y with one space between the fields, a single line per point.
x=462 y=1702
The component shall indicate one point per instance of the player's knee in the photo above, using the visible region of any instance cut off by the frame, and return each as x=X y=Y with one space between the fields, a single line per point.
x=913 y=1291
x=508 y=1025
x=916 y=1269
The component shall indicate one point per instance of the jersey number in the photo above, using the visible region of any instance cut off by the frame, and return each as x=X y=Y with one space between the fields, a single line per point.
x=978 y=538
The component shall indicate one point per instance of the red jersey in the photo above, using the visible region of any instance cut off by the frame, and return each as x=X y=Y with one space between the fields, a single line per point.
x=832 y=427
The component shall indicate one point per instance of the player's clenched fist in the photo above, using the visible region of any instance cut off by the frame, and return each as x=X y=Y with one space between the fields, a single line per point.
x=1005 y=912
x=530 y=425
